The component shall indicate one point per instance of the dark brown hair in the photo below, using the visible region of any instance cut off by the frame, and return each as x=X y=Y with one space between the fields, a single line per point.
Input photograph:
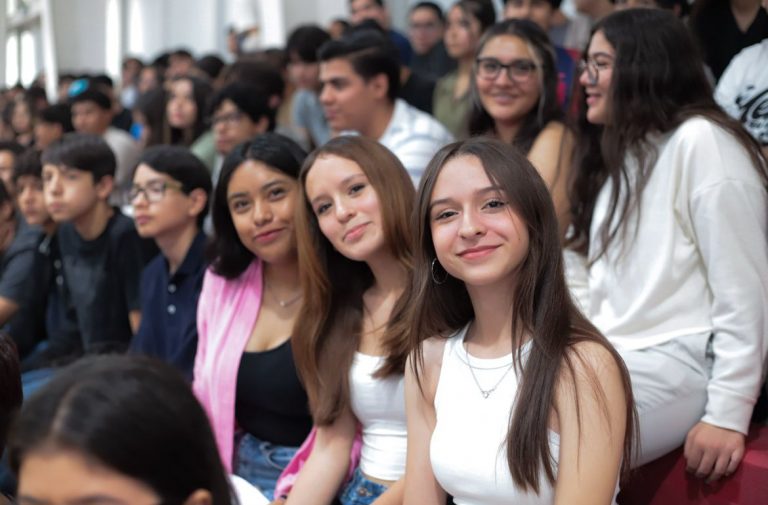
x=653 y=90
x=327 y=332
x=542 y=307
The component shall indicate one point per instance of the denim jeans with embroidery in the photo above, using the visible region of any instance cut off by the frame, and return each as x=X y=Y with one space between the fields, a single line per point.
x=260 y=462
x=361 y=491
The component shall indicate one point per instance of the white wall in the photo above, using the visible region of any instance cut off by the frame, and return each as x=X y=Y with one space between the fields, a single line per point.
x=79 y=34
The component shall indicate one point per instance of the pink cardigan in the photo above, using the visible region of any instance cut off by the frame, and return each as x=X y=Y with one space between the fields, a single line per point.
x=226 y=314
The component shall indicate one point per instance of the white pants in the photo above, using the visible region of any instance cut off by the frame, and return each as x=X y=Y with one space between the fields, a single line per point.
x=669 y=383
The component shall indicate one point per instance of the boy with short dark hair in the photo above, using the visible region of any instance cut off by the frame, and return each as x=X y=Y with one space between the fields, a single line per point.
x=102 y=256
x=169 y=195
x=52 y=123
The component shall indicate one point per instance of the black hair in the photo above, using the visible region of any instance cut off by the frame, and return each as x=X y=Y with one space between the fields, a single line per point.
x=181 y=52
x=548 y=109
x=134 y=415
x=201 y=91
x=92 y=94
x=248 y=100
x=10 y=385
x=259 y=73
x=304 y=41
x=102 y=81
x=82 y=151
x=380 y=3
x=5 y=196
x=431 y=6
x=181 y=165
x=653 y=91
x=28 y=163
x=482 y=10
x=211 y=65
x=229 y=257
x=370 y=52
x=152 y=105
x=554 y=3
x=12 y=146
x=60 y=114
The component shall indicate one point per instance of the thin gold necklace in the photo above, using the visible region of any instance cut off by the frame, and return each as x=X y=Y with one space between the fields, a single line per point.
x=485 y=392
x=286 y=303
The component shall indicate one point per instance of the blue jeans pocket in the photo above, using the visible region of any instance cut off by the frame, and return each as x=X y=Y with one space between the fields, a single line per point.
x=361 y=491
x=260 y=462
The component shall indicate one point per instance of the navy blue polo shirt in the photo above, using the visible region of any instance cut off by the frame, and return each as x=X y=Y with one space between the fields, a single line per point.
x=168 y=329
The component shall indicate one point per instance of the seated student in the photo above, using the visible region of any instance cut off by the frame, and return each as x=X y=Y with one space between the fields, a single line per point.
x=117 y=430
x=244 y=374
x=101 y=255
x=466 y=22
x=512 y=396
x=361 y=78
x=426 y=26
x=17 y=266
x=52 y=123
x=170 y=200
x=542 y=12
x=238 y=112
x=304 y=71
x=361 y=10
x=9 y=150
x=92 y=113
x=10 y=399
x=514 y=100
x=185 y=110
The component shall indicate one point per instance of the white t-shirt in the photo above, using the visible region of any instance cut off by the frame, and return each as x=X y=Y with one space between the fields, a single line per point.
x=743 y=90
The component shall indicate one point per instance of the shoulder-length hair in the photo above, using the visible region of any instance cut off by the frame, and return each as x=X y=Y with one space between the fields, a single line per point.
x=547 y=109
x=653 y=91
x=327 y=332
x=201 y=91
x=134 y=415
x=542 y=306
x=229 y=257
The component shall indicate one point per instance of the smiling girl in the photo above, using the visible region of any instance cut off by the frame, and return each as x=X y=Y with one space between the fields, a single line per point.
x=244 y=373
x=350 y=347
x=512 y=395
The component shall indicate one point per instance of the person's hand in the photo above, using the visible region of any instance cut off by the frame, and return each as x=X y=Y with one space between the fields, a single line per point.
x=712 y=452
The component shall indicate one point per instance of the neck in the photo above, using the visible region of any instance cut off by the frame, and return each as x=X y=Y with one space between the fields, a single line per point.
x=49 y=227
x=464 y=66
x=745 y=6
x=506 y=131
x=493 y=316
x=389 y=275
x=175 y=245
x=380 y=119
x=282 y=277
x=93 y=223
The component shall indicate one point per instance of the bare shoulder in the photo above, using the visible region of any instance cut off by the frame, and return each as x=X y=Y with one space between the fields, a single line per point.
x=553 y=133
x=427 y=369
x=594 y=365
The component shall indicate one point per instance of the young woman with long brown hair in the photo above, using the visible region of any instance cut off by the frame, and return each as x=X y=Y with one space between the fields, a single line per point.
x=512 y=395
x=350 y=338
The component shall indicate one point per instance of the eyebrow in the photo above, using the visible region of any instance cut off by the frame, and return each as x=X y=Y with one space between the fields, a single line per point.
x=265 y=187
x=344 y=181
x=603 y=54
x=479 y=192
x=97 y=499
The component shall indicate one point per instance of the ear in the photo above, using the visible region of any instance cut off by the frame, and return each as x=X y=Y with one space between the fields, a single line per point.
x=275 y=101
x=379 y=85
x=199 y=497
x=198 y=200
x=105 y=186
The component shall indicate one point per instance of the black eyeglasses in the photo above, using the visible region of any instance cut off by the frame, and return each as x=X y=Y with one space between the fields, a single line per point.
x=593 y=68
x=153 y=191
x=517 y=70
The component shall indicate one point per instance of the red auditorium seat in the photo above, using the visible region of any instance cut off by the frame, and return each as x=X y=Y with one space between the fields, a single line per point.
x=665 y=481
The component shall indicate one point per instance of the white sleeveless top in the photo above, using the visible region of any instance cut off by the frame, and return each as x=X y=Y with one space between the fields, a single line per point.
x=379 y=405
x=468 y=450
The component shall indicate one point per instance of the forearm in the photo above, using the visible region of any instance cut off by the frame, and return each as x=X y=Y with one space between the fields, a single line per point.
x=320 y=478
x=393 y=495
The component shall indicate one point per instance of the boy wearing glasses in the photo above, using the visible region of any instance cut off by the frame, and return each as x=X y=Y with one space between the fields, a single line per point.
x=170 y=200
x=101 y=255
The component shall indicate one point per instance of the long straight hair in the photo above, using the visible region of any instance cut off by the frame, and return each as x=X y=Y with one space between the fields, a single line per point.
x=546 y=109
x=653 y=91
x=328 y=328
x=542 y=307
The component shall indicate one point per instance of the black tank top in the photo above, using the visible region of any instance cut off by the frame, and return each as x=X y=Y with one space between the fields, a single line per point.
x=270 y=402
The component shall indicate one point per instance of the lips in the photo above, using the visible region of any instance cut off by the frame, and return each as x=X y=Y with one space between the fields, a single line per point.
x=55 y=208
x=141 y=220
x=355 y=232
x=268 y=236
x=591 y=99
x=477 y=252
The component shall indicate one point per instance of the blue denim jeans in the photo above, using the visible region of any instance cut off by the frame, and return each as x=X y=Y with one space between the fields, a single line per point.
x=361 y=491
x=260 y=462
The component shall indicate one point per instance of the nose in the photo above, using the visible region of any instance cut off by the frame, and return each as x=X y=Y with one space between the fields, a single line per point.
x=584 y=79
x=344 y=212
x=53 y=185
x=471 y=225
x=262 y=213
x=326 y=95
